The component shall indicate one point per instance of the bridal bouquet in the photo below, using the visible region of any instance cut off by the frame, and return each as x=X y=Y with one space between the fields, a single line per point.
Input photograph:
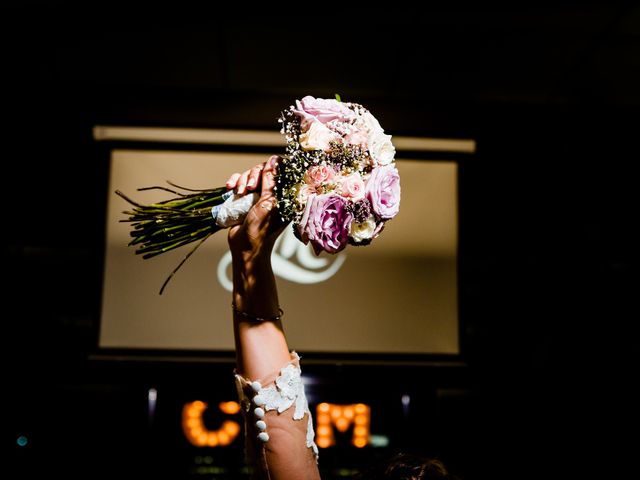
x=337 y=184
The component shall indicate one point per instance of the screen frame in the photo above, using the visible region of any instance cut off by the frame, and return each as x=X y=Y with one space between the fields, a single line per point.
x=104 y=148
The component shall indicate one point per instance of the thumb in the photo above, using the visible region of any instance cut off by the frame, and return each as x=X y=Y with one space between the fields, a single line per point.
x=268 y=176
x=268 y=201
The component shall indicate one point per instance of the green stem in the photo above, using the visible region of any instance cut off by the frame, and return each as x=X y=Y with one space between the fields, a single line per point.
x=186 y=237
x=182 y=263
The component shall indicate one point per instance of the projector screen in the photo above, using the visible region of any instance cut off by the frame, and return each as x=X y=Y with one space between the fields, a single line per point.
x=398 y=295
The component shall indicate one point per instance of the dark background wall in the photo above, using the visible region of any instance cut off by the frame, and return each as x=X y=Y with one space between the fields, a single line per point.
x=547 y=217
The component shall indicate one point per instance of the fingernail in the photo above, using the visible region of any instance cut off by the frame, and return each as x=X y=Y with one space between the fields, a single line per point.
x=272 y=161
x=251 y=182
x=241 y=189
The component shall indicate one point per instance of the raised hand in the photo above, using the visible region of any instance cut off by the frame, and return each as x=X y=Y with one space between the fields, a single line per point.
x=254 y=239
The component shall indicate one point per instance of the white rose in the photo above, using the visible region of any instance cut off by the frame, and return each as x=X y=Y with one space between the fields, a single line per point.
x=370 y=123
x=381 y=149
x=317 y=137
x=363 y=230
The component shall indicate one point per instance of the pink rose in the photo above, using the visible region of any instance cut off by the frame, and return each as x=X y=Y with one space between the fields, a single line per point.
x=383 y=191
x=304 y=191
x=352 y=187
x=325 y=223
x=319 y=174
x=318 y=137
x=310 y=109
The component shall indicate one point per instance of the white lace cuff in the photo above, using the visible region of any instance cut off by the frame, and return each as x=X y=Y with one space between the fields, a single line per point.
x=285 y=391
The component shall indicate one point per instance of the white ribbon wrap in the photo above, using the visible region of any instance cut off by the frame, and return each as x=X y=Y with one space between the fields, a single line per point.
x=233 y=210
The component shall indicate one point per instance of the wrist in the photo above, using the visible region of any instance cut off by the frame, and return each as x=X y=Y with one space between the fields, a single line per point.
x=250 y=317
x=250 y=263
x=253 y=281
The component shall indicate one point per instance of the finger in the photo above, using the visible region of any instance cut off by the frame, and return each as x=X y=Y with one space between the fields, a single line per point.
x=268 y=176
x=242 y=182
x=264 y=215
x=233 y=180
x=268 y=203
x=254 y=176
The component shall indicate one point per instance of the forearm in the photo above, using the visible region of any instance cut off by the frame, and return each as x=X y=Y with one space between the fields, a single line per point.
x=261 y=347
x=278 y=424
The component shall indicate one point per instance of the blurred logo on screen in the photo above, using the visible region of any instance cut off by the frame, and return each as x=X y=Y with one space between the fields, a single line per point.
x=291 y=260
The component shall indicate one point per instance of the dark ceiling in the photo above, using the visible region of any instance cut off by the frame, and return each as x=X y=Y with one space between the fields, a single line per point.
x=209 y=68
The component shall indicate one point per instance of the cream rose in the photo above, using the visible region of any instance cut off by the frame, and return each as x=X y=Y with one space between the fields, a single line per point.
x=362 y=231
x=370 y=123
x=381 y=149
x=317 y=137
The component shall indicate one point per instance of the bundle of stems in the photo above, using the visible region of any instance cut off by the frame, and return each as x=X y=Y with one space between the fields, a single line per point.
x=164 y=226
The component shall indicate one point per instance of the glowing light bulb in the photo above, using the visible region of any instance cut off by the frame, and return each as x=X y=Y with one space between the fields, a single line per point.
x=336 y=412
x=360 y=442
x=360 y=419
x=342 y=424
x=230 y=408
x=224 y=438
x=212 y=439
x=324 y=442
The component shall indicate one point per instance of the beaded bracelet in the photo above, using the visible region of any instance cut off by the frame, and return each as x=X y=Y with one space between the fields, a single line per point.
x=253 y=318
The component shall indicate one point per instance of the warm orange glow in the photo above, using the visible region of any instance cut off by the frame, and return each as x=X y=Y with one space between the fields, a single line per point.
x=342 y=424
x=323 y=418
x=197 y=433
x=224 y=438
x=361 y=408
x=342 y=417
x=231 y=428
x=360 y=442
x=360 y=431
x=212 y=440
x=230 y=408
x=323 y=442
x=193 y=423
x=328 y=415
x=194 y=412
x=360 y=419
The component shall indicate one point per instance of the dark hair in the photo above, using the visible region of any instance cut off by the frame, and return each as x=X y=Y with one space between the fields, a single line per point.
x=408 y=466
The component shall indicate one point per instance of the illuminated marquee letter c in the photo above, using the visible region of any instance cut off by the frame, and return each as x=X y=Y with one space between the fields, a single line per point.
x=197 y=433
